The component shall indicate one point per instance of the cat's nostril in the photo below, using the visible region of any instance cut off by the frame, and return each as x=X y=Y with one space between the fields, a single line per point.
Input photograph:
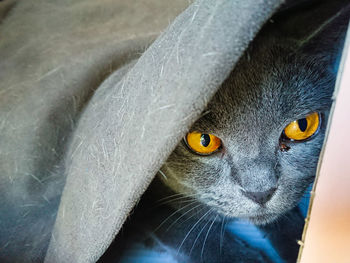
x=260 y=197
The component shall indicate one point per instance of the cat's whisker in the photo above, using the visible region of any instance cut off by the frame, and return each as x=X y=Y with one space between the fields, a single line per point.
x=222 y=233
x=165 y=220
x=176 y=195
x=163 y=174
x=184 y=214
x=206 y=236
x=194 y=242
x=189 y=232
x=193 y=215
x=240 y=188
x=176 y=199
x=190 y=217
x=205 y=113
x=170 y=196
x=181 y=201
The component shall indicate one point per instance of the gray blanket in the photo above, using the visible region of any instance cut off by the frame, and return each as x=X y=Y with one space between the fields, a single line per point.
x=86 y=120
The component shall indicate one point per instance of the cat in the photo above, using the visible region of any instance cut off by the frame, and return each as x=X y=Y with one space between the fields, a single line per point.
x=251 y=155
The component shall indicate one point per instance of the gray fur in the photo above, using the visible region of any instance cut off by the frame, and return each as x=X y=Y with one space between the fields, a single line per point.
x=277 y=81
x=281 y=78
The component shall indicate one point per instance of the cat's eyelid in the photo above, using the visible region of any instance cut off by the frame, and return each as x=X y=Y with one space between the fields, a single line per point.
x=202 y=132
x=302 y=115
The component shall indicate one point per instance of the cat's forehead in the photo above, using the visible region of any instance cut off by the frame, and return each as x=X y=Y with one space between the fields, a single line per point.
x=271 y=90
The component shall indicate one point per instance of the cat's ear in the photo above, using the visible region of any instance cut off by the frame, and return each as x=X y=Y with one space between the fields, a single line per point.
x=326 y=41
x=317 y=27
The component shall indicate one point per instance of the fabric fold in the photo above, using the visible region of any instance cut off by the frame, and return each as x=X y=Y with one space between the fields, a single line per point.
x=137 y=116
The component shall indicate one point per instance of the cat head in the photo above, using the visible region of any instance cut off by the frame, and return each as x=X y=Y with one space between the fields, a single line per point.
x=255 y=149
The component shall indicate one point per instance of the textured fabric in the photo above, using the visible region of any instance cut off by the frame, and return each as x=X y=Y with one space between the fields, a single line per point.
x=54 y=54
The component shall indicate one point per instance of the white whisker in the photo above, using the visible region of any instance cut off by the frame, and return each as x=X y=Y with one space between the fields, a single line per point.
x=206 y=236
x=222 y=233
x=198 y=236
x=182 y=208
x=163 y=174
x=183 y=216
x=189 y=232
x=175 y=199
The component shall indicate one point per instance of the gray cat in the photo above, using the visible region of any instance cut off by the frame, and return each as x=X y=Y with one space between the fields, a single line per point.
x=252 y=154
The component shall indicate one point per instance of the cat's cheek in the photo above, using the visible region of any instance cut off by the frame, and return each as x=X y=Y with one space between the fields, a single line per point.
x=301 y=160
x=171 y=179
x=288 y=195
x=227 y=199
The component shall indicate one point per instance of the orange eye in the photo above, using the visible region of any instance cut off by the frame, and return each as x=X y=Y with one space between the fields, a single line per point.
x=201 y=143
x=303 y=129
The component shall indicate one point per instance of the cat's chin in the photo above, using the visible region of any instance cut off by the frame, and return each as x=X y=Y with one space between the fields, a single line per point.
x=263 y=219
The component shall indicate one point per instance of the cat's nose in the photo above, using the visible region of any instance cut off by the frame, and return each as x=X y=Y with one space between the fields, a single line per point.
x=260 y=197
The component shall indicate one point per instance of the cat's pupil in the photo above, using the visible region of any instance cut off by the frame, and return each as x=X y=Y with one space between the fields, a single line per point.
x=302 y=124
x=205 y=140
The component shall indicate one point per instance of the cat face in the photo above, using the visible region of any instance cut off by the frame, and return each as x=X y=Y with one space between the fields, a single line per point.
x=257 y=173
x=287 y=74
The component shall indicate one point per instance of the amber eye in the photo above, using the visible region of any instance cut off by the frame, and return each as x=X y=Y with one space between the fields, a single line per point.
x=303 y=129
x=202 y=143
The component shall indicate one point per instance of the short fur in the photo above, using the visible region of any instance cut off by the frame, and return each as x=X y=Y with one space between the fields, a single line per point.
x=281 y=78
x=276 y=82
